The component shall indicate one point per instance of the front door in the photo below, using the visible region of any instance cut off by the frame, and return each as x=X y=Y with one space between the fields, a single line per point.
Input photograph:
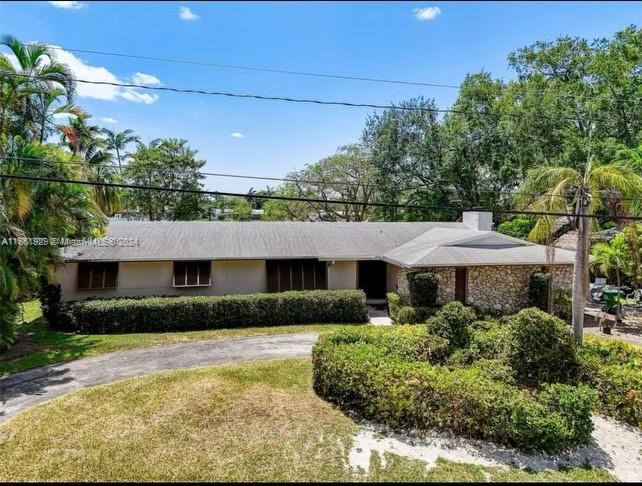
x=460 y=284
x=372 y=278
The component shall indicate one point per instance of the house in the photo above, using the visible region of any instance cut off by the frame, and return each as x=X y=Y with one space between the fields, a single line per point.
x=474 y=264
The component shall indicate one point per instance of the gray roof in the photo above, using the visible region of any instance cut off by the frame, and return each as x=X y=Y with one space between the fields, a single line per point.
x=405 y=244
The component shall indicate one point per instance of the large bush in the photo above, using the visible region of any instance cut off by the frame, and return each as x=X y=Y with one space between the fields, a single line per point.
x=422 y=287
x=158 y=314
x=402 y=313
x=366 y=377
x=452 y=322
x=540 y=348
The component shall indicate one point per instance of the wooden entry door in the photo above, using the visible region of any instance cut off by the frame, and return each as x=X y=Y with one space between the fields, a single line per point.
x=460 y=284
x=372 y=278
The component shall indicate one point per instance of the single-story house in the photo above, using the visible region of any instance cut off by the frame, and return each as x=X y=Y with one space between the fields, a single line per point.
x=475 y=265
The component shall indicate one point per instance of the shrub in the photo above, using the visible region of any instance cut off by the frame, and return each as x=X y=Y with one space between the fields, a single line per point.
x=158 y=314
x=422 y=287
x=395 y=302
x=538 y=284
x=614 y=369
x=50 y=302
x=487 y=341
x=452 y=322
x=540 y=348
x=402 y=393
x=518 y=227
x=405 y=342
x=8 y=316
x=414 y=315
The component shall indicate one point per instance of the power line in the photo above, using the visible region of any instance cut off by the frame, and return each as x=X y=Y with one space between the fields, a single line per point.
x=306 y=199
x=255 y=68
x=307 y=181
x=296 y=100
x=285 y=71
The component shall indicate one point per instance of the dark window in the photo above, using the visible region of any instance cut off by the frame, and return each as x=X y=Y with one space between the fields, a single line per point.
x=97 y=275
x=191 y=274
x=283 y=275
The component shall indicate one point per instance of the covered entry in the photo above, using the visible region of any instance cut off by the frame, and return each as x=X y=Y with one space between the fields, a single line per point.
x=372 y=278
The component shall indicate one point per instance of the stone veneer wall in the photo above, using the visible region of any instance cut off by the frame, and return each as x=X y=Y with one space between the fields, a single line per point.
x=494 y=288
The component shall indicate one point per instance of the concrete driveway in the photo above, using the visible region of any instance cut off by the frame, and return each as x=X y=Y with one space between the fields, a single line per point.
x=28 y=388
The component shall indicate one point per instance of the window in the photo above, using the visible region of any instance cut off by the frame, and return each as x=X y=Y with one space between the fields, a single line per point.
x=97 y=275
x=285 y=275
x=192 y=274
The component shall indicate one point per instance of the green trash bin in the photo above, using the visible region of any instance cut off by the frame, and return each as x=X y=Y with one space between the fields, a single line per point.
x=611 y=295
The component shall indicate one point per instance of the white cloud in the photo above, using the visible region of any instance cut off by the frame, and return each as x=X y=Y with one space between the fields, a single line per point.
x=236 y=135
x=82 y=70
x=427 y=13
x=69 y=5
x=185 y=13
x=142 y=78
x=108 y=119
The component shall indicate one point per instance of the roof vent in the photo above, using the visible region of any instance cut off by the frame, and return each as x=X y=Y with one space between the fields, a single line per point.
x=478 y=220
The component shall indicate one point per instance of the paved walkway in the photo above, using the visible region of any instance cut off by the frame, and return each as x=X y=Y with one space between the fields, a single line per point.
x=28 y=388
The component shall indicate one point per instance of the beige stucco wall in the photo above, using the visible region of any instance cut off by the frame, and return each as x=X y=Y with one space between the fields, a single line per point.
x=495 y=288
x=155 y=278
x=342 y=275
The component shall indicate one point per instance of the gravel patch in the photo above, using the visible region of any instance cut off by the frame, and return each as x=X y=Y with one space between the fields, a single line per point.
x=615 y=447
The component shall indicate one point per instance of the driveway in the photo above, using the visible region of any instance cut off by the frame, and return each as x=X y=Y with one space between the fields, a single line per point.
x=28 y=388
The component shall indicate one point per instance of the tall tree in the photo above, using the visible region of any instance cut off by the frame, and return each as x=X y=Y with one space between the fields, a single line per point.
x=118 y=142
x=166 y=163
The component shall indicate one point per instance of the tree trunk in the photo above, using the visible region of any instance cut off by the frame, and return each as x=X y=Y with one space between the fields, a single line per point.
x=579 y=273
x=118 y=157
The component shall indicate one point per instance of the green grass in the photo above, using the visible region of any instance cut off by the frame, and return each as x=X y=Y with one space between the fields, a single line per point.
x=39 y=346
x=257 y=421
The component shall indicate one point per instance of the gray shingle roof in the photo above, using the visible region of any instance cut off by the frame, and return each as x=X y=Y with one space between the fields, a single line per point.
x=406 y=244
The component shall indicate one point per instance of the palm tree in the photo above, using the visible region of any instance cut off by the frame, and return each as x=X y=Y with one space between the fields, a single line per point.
x=28 y=85
x=568 y=190
x=610 y=258
x=118 y=142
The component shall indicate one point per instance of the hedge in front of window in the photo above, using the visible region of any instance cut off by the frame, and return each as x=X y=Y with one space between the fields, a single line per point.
x=159 y=314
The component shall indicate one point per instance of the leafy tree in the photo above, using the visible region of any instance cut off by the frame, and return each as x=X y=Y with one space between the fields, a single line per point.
x=518 y=227
x=346 y=176
x=610 y=259
x=167 y=163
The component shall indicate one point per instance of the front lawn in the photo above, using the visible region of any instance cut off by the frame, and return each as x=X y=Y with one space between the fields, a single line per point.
x=257 y=421
x=38 y=345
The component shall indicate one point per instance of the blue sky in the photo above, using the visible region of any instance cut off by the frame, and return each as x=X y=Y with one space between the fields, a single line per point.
x=394 y=40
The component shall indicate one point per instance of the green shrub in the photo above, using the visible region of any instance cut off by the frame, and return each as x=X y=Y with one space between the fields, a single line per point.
x=495 y=369
x=538 y=284
x=487 y=341
x=414 y=315
x=452 y=322
x=158 y=314
x=518 y=227
x=50 y=302
x=423 y=287
x=395 y=302
x=404 y=342
x=540 y=348
x=614 y=369
x=365 y=378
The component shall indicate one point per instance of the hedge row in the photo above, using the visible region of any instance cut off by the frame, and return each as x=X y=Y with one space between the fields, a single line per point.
x=365 y=377
x=158 y=314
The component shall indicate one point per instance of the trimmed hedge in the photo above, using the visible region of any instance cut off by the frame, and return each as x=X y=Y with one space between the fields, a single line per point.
x=453 y=322
x=540 y=348
x=159 y=314
x=402 y=393
x=395 y=302
x=538 y=284
x=422 y=287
